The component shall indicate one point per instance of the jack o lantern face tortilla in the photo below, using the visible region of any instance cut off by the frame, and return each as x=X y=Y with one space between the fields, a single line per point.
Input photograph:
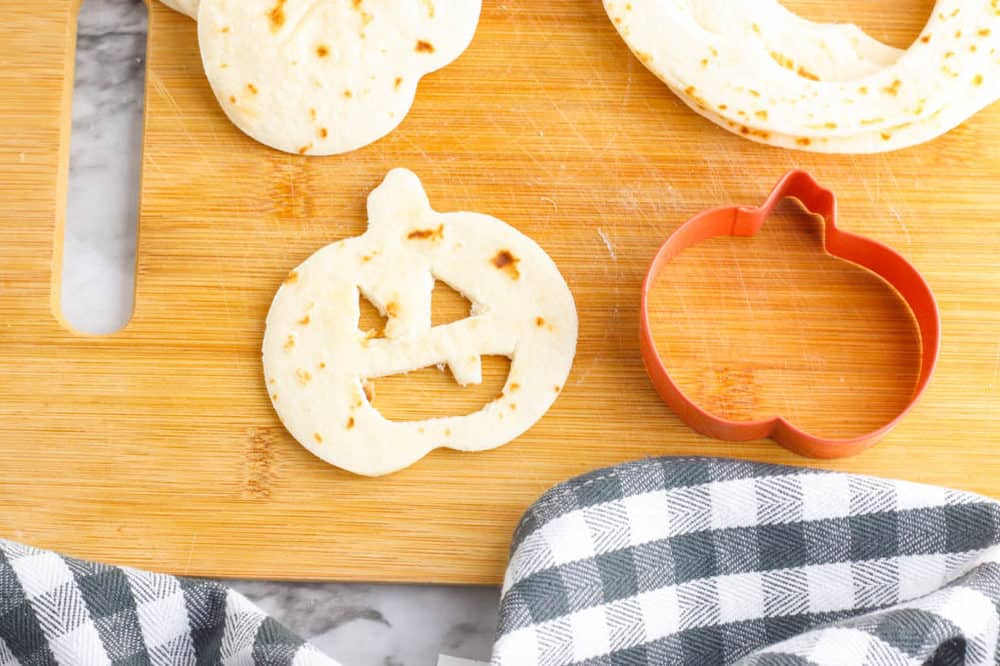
x=761 y=71
x=324 y=77
x=317 y=361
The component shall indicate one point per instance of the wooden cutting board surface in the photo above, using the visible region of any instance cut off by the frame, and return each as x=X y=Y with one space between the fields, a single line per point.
x=157 y=446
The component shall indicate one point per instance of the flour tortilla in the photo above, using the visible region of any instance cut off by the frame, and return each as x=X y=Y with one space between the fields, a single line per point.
x=189 y=7
x=757 y=69
x=321 y=78
x=316 y=360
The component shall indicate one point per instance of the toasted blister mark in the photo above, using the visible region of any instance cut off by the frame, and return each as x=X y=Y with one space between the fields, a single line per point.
x=507 y=262
x=483 y=344
x=276 y=16
x=427 y=234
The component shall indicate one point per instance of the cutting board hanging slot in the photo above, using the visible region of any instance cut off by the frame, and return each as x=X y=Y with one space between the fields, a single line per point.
x=97 y=272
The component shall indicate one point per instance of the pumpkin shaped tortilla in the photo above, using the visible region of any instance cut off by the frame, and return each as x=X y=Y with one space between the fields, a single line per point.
x=322 y=78
x=317 y=360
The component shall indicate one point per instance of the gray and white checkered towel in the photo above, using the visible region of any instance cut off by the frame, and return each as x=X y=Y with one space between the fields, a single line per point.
x=58 y=610
x=660 y=562
x=706 y=561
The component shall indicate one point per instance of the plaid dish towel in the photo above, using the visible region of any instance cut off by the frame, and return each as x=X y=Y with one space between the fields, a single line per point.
x=660 y=562
x=707 y=561
x=58 y=610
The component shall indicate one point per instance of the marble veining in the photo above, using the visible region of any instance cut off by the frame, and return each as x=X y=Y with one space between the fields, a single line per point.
x=359 y=625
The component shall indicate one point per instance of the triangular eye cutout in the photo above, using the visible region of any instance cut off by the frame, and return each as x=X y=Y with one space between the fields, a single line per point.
x=447 y=305
x=371 y=322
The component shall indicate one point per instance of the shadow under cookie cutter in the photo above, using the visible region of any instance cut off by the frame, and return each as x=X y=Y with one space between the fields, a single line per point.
x=872 y=255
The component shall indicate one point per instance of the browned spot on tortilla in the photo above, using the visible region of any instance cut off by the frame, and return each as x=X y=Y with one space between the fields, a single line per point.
x=558 y=388
x=514 y=387
x=754 y=93
x=806 y=74
x=893 y=89
x=429 y=6
x=886 y=136
x=323 y=133
x=225 y=29
x=271 y=380
x=252 y=88
x=290 y=343
x=872 y=121
x=322 y=365
x=392 y=309
x=780 y=58
x=399 y=82
x=723 y=107
x=322 y=50
x=977 y=80
x=292 y=278
x=756 y=28
x=369 y=389
x=761 y=114
x=506 y=261
x=830 y=125
x=984 y=32
x=305 y=149
x=318 y=437
x=312 y=113
x=424 y=47
x=232 y=99
x=304 y=376
x=744 y=130
x=304 y=321
x=863 y=90
x=539 y=322
x=958 y=34
x=513 y=406
x=427 y=234
x=348 y=94
x=447 y=432
x=274 y=397
x=277 y=16
x=350 y=423
x=804 y=141
x=357 y=4
x=925 y=39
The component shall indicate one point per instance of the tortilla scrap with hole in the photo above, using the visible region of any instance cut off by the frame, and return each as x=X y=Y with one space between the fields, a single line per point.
x=323 y=78
x=317 y=361
x=759 y=70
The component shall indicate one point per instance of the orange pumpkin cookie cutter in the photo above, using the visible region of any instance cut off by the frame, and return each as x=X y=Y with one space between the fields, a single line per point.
x=867 y=253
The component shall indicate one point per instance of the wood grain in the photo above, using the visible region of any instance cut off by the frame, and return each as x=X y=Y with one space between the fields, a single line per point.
x=157 y=446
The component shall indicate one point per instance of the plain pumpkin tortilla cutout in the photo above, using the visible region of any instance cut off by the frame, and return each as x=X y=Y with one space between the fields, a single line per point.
x=760 y=71
x=317 y=360
x=323 y=78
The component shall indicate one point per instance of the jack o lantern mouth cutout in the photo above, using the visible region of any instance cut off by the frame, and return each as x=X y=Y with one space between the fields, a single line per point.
x=866 y=253
x=319 y=364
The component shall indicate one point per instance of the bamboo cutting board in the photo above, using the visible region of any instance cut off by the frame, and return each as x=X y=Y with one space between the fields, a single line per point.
x=157 y=446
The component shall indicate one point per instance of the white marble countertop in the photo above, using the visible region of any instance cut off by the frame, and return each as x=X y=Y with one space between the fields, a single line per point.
x=359 y=625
